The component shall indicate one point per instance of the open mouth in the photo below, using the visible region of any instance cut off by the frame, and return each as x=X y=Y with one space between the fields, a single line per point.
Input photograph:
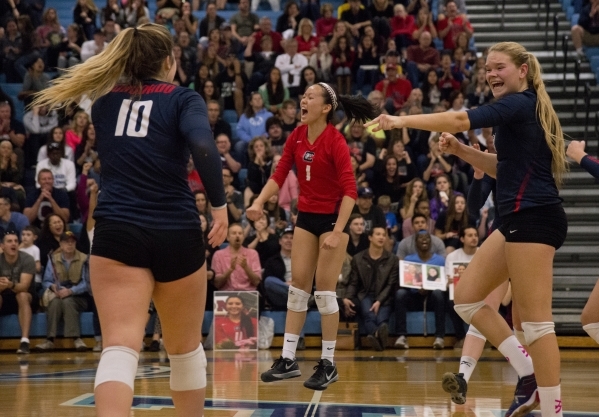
x=496 y=84
x=304 y=111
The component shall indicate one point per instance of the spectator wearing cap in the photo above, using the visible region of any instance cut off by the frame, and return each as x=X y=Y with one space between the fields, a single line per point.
x=373 y=215
x=93 y=47
x=46 y=200
x=277 y=273
x=244 y=22
x=62 y=169
x=236 y=268
x=210 y=21
x=395 y=88
x=67 y=278
x=17 y=287
x=374 y=272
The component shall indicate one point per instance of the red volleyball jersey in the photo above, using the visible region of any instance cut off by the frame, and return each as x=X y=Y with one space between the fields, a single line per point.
x=324 y=169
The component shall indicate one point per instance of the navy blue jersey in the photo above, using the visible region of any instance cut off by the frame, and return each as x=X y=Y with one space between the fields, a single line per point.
x=144 y=145
x=591 y=164
x=524 y=176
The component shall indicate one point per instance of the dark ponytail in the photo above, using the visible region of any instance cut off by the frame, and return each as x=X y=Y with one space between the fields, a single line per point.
x=355 y=107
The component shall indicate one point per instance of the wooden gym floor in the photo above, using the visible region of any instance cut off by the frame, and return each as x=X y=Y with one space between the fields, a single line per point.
x=372 y=384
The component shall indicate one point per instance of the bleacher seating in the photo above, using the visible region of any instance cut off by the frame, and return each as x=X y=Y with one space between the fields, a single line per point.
x=9 y=325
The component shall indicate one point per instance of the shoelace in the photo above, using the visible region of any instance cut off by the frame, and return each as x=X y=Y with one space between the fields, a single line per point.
x=320 y=369
x=277 y=361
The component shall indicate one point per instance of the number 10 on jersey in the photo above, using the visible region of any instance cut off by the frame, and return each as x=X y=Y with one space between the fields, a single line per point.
x=135 y=128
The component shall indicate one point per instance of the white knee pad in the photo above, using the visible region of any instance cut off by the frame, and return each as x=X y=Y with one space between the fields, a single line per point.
x=520 y=336
x=117 y=364
x=297 y=300
x=534 y=331
x=593 y=330
x=188 y=370
x=473 y=331
x=326 y=302
x=467 y=311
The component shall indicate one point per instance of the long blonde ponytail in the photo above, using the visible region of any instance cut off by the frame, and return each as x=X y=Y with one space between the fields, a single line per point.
x=545 y=112
x=133 y=56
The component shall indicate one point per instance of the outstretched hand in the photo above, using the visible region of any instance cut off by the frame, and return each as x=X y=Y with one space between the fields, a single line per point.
x=576 y=150
x=384 y=122
x=448 y=143
x=255 y=211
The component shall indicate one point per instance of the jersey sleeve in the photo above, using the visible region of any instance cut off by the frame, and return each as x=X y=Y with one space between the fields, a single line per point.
x=514 y=108
x=590 y=164
x=194 y=126
x=344 y=168
x=286 y=161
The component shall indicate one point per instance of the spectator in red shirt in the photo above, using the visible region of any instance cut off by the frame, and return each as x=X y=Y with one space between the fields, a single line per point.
x=266 y=30
x=402 y=27
x=307 y=44
x=421 y=58
x=447 y=79
x=326 y=24
x=424 y=23
x=452 y=25
x=395 y=89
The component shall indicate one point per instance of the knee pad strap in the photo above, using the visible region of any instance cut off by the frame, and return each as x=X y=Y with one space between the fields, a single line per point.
x=473 y=331
x=117 y=364
x=536 y=330
x=467 y=311
x=326 y=302
x=297 y=300
x=188 y=370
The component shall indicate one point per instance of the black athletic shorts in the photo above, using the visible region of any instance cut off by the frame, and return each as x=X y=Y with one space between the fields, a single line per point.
x=11 y=306
x=317 y=223
x=169 y=254
x=545 y=224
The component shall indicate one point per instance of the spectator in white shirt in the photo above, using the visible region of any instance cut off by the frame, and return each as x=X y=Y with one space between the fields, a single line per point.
x=291 y=65
x=39 y=121
x=62 y=169
x=93 y=47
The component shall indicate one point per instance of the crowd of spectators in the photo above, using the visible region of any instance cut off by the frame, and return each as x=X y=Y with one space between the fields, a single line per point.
x=405 y=57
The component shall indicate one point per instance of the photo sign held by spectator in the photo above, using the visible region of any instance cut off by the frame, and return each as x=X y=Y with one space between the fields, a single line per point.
x=427 y=277
x=457 y=269
x=235 y=320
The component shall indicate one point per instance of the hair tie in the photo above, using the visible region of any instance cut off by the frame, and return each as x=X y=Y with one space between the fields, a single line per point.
x=331 y=94
x=135 y=31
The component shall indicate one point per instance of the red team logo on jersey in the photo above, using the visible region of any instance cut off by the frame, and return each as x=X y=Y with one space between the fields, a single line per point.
x=309 y=156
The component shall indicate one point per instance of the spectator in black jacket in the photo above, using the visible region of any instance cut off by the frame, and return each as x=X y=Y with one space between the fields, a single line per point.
x=277 y=273
x=211 y=21
x=374 y=271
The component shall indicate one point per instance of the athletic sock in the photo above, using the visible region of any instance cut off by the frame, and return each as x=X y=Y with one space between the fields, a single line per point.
x=593 y=330
x=24 y=339
x=517 y=356
x=328 y=350
x=551 y=401
x=467 y=365
x=290 y=345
